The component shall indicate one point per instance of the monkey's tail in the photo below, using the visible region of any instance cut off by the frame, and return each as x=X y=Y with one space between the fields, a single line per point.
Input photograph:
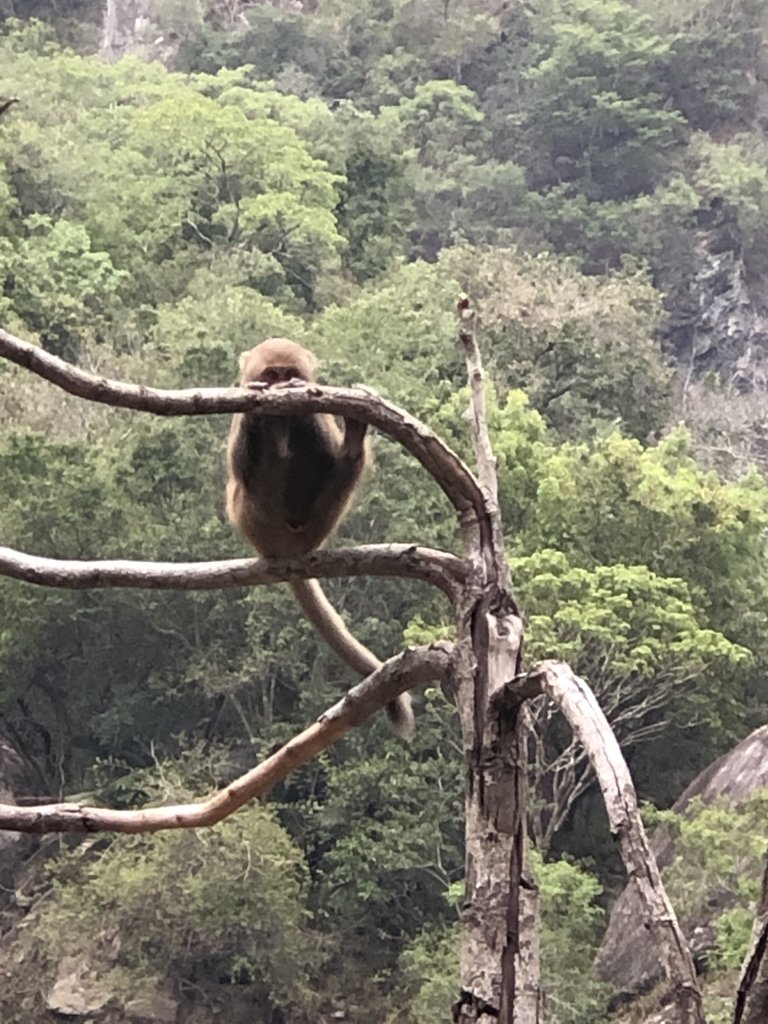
x=332 y=628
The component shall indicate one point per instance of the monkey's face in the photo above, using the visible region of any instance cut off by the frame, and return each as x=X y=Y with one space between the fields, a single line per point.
x=279 y=374
x=277 y=361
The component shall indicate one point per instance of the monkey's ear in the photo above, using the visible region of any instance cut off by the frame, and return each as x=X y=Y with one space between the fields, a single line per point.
x=243 y=356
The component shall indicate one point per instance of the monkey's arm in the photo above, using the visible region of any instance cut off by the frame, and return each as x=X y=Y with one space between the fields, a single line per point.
x=338 y=483
x=348 y=466
x=353 y=447
x=353 y=457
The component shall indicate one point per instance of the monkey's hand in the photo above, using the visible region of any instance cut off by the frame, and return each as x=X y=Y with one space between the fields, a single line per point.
x=263 y=385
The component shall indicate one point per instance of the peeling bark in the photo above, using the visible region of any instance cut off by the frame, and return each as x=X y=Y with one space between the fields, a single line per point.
x=491 y=634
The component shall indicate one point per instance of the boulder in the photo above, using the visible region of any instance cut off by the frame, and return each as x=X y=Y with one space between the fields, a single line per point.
x=627 y=957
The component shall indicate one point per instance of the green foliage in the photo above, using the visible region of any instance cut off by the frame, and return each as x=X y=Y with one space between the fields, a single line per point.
x=583 y=348
x=460 y=194
x=390 y=874
x=178 y=18
x=612 y=507
x=572 y=922
x=614 y=501
x=375 y=209
x=600 y=106
x=198 y=339
x=630 y=633
x=225 y=902
x=430 y=965
x=54 y=282
x=714 y=49
x=273 y=40
x=733 y=174
x=139 y=667
x=78 y=24
x=439 y=117
x=571 y=926
x=413 y=306
x=718 y=867
x=165 y=173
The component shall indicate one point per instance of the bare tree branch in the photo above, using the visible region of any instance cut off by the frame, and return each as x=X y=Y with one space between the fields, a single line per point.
x=486 y=460
x=438 y=568
x=454 y=477
x=412 y=667
x=577 y=702
x=481 y=440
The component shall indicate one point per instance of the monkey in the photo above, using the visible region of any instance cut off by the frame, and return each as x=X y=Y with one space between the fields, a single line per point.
x=290 y=482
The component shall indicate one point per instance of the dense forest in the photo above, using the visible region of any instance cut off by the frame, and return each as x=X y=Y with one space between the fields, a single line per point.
x=594 y=173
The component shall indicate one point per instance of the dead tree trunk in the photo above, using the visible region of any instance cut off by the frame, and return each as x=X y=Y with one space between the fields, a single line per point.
x=491 y=635
x=500 y=962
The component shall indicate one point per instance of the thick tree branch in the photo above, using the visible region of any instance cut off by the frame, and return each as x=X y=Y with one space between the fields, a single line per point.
x=584 y=715
x=454 y=477
x=412 y=667
x=439 y=568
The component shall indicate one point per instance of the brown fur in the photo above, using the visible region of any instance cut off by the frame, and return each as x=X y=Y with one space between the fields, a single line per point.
x=291 y=480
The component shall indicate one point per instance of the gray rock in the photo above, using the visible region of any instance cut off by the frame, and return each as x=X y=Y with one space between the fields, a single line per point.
x=76 y=991
x=716 y=324
x=152 y=1008
x=627 y=958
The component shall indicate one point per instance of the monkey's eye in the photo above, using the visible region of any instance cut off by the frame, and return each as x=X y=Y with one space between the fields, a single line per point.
x=270 y=375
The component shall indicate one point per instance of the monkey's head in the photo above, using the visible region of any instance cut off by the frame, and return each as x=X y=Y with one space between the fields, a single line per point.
x=277 y=360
